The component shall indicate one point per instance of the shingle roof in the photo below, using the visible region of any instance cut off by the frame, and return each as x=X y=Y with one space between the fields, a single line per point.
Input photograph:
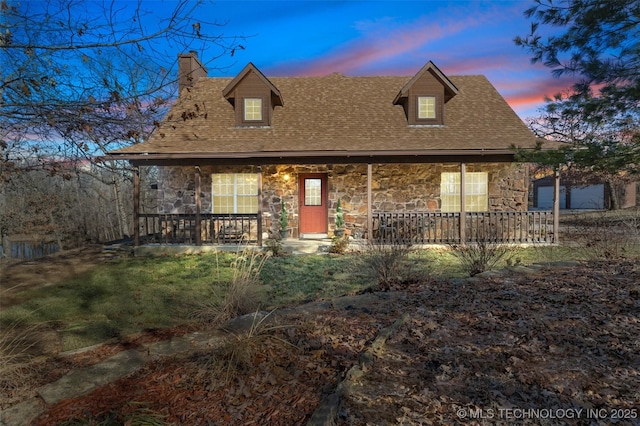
x=337 y=114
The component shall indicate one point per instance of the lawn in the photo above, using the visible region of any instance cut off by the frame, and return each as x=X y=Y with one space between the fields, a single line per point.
x=134 y=294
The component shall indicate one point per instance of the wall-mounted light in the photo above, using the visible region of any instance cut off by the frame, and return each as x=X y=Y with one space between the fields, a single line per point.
x=287 y=177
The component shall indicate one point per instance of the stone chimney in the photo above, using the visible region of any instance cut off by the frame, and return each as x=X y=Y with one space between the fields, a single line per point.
x=189 y=69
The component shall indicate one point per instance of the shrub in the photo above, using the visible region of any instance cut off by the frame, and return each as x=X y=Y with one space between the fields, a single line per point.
x=283 y=220
x=389 y=264
x=339 y=215
x=16 y=371
x=274 y=246
x=339 y=245
x=481 y=256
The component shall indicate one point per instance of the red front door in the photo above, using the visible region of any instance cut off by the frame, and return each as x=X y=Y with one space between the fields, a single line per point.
x=313 y=203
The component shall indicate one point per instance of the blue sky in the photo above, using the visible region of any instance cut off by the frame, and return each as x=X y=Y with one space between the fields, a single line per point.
x=302 y=38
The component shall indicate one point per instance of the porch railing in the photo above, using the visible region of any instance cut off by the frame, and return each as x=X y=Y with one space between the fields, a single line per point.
x=183 y=228
x=444 y=228
x=388 y=227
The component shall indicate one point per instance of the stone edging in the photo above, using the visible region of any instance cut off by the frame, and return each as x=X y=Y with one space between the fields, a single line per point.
x=327 y=412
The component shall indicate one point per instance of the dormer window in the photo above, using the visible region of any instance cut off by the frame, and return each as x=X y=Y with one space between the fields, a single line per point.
x=253 y=98
x=426 y=107
x=253 y=109
x=424 y=96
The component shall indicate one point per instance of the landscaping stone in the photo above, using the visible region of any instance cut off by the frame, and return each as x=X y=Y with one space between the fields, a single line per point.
x=81 y=382
x=22 y=414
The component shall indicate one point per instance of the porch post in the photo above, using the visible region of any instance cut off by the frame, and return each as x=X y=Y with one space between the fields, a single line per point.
x=463 y=206
x=556 y=205
x=198 y=227
x=136 y=206
x=259 y=206
x=369 y=202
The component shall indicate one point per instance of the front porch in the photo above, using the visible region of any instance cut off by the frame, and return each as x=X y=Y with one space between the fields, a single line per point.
x=420 y=228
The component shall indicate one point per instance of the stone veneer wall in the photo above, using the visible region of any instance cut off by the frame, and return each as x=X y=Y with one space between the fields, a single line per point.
x=395 y=187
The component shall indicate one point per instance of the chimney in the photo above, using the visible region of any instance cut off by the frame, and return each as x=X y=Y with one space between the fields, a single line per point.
x=189 y=69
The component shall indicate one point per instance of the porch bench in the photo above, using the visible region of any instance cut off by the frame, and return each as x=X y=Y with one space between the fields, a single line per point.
x=402 y=230
x=230 y=234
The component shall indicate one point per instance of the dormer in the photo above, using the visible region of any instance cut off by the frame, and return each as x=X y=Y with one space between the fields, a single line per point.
x=253 y=97
x=424 y=96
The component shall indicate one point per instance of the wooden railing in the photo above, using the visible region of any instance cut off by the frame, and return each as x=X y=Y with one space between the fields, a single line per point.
x=156 y=228
x=388 y=227
x=444 y=228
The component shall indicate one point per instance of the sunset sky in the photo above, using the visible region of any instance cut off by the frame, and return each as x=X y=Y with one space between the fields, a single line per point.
x=303 y=38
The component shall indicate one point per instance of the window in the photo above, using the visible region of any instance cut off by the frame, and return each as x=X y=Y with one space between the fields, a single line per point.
x=312 y=192
x=253 y=109
x=476 y=192
x=234 y=193
x=426 y=107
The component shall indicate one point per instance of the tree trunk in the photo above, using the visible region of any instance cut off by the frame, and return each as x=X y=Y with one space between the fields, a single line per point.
x=613 y=195
x=123 y=223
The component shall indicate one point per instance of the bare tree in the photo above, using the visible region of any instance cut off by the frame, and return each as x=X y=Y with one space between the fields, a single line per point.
x=81 y=78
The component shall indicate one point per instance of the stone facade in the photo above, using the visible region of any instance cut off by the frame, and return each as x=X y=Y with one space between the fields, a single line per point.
x=395 y=187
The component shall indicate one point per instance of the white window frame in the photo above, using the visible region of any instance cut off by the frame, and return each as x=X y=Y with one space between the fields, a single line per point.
x=476 y=191
x=426 y=107
x=253 y=109
x=237 y=187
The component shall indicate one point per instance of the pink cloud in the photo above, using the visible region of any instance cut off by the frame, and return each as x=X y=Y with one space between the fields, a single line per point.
x=526 y=97
x=374 y=47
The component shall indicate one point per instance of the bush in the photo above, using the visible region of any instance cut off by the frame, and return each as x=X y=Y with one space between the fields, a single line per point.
x=274 y=246
x=17 y=339
x=389 y=264
x=238 y=354
x=339 y=245
x=481 y=256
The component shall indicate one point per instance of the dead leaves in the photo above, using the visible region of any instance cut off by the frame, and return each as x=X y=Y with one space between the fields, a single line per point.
x=560 y=338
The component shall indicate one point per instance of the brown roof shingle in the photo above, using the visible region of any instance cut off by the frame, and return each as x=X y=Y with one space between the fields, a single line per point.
x=336 y=114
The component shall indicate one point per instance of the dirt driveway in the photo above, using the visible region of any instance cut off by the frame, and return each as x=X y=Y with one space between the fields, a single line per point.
x=19 y=276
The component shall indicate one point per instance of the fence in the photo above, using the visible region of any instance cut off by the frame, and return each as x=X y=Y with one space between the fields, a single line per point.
x=183 y=229
x=443 y=228
x=27 y=249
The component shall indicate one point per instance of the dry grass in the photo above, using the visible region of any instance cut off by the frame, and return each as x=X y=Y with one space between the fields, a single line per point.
x=604 y=235
x=246 y=348
x=241 y=295
x=16 y=341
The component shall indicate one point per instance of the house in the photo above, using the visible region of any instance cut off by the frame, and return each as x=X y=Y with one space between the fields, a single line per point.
x=426 y=158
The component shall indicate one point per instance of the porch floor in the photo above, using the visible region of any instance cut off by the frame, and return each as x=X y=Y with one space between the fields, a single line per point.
x=290 y=245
